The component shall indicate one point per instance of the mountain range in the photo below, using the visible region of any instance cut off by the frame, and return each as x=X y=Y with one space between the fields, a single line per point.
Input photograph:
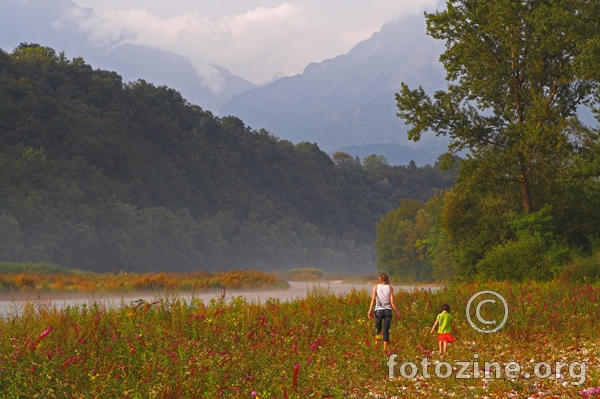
x=347 y=103
x=343 y=104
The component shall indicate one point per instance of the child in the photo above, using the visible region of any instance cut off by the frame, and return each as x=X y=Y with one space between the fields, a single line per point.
x=444 y=324
x=383 y=296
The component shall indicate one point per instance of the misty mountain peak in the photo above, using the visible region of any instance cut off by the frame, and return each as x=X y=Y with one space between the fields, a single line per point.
x=349 y=100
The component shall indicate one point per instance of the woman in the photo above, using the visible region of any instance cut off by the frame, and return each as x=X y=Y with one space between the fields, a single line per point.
x=383 y=297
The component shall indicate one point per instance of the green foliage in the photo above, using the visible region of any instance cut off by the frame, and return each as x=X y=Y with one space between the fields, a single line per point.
x=39 y=268
x=305 y=274
x=439 y=255
x=307 y=270
x=100 y=175
x=412 y=243
x=346 y=161
x=11 y=245
x=534 y=254
x=516 y=261
x=582 y=268
x=375 y=163
x=398 y=237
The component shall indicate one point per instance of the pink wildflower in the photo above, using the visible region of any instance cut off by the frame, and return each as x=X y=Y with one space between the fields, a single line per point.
x=295 y=376
x=46 y=332
x=139 y=338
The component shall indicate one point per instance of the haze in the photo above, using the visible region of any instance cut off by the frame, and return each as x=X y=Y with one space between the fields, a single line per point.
x=258 y=40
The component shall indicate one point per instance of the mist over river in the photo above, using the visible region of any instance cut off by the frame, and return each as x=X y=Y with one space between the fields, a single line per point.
x=14 y=305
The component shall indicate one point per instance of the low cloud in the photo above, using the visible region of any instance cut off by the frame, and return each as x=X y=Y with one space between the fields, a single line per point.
x=257 y=45
x=211 y=77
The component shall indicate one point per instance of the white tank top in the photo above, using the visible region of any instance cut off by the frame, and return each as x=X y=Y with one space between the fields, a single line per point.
x=383 y=297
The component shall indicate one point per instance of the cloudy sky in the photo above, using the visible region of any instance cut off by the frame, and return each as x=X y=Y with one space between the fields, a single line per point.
x=255 y=39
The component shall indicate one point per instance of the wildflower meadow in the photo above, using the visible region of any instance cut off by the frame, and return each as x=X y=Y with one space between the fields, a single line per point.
x=320 y=346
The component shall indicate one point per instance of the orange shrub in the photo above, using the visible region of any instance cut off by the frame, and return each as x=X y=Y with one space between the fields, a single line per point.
x=110 y=282
x=59 y=285
x=154 y=281
x=162 y=280
x=25 y=282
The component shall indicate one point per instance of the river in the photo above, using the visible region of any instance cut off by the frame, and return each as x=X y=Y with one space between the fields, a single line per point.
x=297 y=290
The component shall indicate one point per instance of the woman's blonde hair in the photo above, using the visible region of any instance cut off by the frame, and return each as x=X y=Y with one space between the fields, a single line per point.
x=383 y=278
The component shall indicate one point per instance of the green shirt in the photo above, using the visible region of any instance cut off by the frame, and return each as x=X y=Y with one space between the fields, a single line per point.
x=444 y=322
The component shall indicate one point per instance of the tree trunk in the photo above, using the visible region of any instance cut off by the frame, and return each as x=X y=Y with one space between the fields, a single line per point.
x=525 y=190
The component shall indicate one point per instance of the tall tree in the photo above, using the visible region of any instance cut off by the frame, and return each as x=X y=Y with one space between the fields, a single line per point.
x=519 y=72
x=398 y=234
x=375 y=163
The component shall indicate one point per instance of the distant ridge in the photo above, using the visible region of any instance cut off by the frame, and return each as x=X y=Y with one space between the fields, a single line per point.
x=160 y=67
x=395 y=154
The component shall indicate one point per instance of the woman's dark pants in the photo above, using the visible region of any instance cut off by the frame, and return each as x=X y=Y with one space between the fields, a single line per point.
x=383 y=316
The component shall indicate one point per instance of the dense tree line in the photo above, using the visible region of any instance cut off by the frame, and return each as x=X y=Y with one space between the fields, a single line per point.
x=526 y=204
x=99 y=174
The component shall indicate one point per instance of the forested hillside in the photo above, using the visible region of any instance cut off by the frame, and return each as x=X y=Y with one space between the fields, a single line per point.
x=101 y=175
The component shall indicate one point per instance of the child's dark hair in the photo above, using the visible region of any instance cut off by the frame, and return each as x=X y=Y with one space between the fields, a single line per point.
x=446 y=307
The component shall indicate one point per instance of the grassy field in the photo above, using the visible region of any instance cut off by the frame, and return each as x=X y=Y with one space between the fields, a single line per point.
x=317 y=347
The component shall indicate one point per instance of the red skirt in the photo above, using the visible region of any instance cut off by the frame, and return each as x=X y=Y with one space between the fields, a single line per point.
x=447 y=337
